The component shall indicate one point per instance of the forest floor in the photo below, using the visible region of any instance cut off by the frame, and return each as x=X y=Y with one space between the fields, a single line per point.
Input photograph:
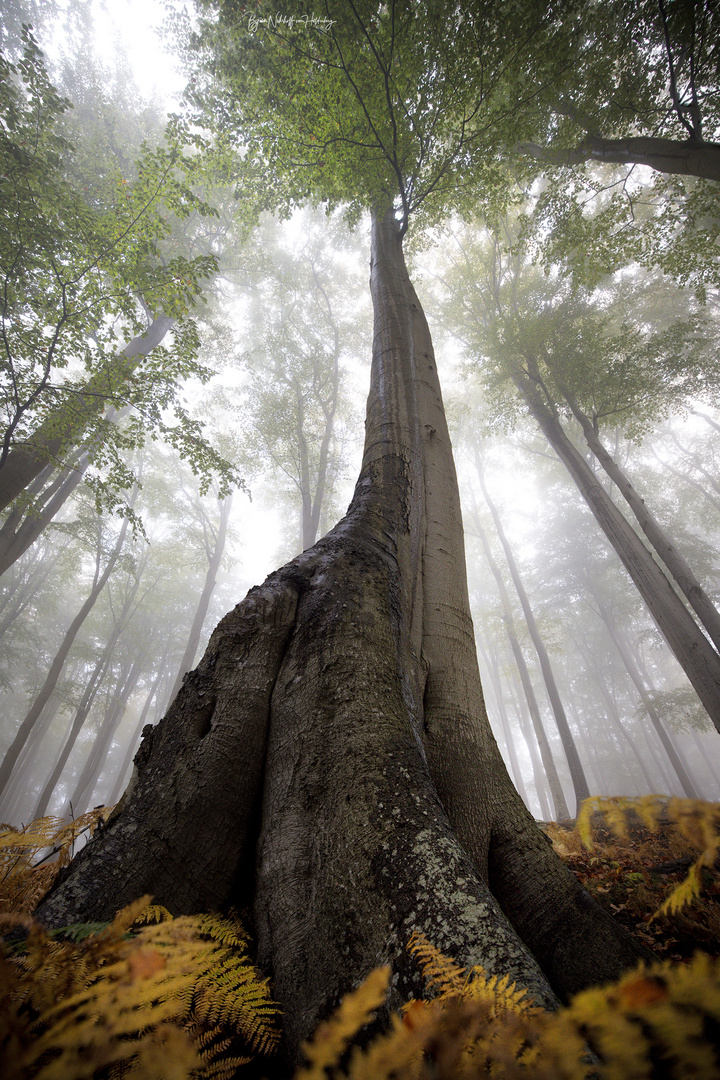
x=631 y=878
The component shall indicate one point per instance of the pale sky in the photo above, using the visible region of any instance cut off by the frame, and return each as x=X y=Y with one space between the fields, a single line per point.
x=134 y=25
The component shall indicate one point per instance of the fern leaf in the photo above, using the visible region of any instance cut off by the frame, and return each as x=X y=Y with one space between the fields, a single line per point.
x=443 y=976
x=333 y=1036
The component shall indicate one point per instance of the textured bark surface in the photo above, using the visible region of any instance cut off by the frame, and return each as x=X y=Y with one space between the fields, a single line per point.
x=686 y=158
x=344 y=696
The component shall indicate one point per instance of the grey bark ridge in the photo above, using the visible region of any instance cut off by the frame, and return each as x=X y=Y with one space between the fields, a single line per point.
x=188 y=822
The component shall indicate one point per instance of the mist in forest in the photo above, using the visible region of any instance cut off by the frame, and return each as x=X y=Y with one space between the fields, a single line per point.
x=228 y=440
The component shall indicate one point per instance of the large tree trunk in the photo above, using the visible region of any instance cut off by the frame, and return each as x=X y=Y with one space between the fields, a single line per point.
x=691 y=648
x=342 y=698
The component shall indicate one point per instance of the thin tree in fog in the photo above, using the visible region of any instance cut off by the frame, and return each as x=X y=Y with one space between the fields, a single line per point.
x=100 y=579
x=86 y=261
x=520 y=324
x=94 y=682
x=577 y=775
x=304 y=327
x=560 y=807
x=214 y=537
x=492 y=666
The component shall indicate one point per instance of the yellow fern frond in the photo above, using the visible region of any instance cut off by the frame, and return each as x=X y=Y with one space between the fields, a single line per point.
x=228 y=929
x=399 y=1051
x=153 y=913
x=657 y=1019
x=117 y=999
x=332 y=1037
x=614 y=810
x=24 y=876
x=662 y=1020
x=442 y=975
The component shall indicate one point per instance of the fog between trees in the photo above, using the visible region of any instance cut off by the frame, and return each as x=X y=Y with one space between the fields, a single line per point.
x=187 y=335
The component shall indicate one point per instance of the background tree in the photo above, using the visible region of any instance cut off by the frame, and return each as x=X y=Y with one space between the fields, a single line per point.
x=83 y=265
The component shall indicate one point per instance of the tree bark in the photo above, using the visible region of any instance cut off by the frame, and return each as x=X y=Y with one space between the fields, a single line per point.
x=693 y=651
x=686 y=158
x=343 y=696
x=66 y=424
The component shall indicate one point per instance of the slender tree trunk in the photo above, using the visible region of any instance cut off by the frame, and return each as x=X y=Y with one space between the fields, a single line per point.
x=214 y=556
x=329 y=407
x=77 y=724
x=134 y=741
x=557 y=794
x=494 y=671
x=681 y=572
x=66 y=424
x=60 y=657
x=345 y=692
x=707 y=761
x=18 y=533
x=115 y=711
x=577 y=774
x=632 y=669
x=707 y=495
x=542 y=788
x=614 y=716
x=91 y=689
x=693 y=651
x=14 y=800
x=24 y=588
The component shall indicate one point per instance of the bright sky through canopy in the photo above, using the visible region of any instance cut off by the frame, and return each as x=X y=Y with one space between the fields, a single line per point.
x=132 y=26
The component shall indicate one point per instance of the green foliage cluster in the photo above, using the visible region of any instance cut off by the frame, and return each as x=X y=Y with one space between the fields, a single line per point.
x=629 y=353
x=87 y=261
